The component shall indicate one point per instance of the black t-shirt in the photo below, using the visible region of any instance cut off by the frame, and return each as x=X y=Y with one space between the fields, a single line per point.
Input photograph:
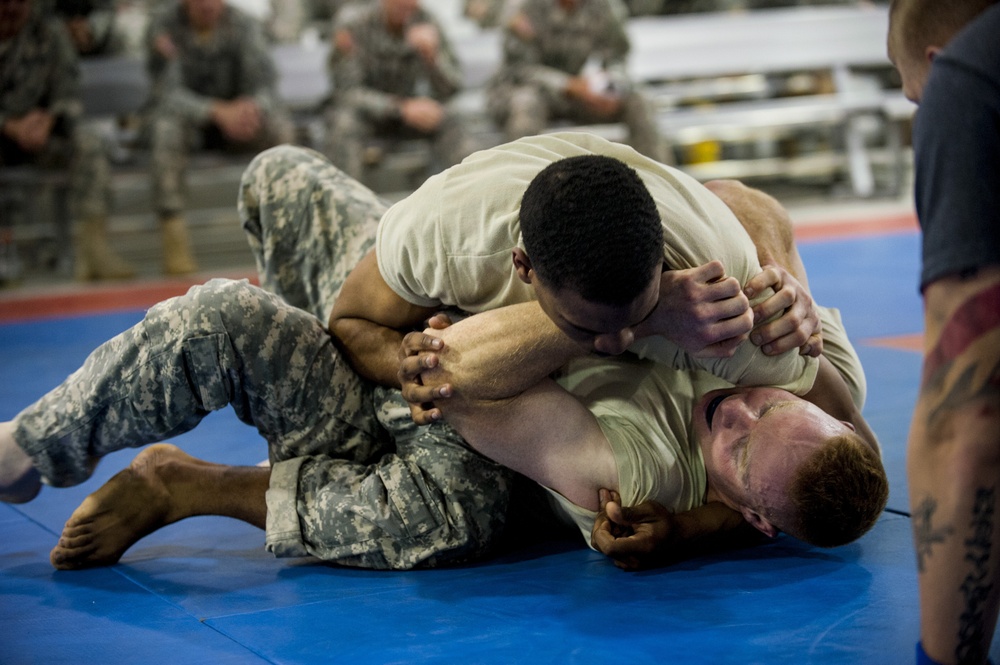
x=957 y=146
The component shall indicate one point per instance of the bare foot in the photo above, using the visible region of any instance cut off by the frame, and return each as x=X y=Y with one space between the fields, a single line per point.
x=132 y=504
x=19 y=480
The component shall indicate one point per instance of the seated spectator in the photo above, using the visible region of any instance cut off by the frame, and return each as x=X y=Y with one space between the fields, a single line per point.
x=548 y=45
x=393 y=70
x=40 y=111
x=92 y=26
x=213 y=88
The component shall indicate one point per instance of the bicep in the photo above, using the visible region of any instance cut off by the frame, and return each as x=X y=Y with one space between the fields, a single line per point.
x=546 y=434
x=366 y=296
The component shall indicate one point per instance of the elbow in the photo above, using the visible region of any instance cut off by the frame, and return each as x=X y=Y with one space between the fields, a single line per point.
x=337 y=325
x=344 y=331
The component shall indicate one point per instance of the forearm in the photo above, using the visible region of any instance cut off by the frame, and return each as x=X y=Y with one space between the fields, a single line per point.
x=170 y=96
x=374 y=103
x=369 y=320
x=649 y=535
x=830 y=393
x=954 y=468
x=522 y=63
x=955 y=499
x=370 y=348
x=445 y=73
x=709 y=529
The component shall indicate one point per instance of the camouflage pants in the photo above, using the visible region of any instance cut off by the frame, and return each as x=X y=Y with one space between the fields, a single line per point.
x=172 y=138
x=526 y=110
x=84 y=154
x=349 y=132
x=308 y=225
x=353 y=480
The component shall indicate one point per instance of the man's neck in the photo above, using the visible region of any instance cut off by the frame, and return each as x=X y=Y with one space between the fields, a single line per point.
x=711 y=494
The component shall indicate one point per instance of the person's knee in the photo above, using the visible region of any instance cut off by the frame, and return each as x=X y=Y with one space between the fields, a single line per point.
x=271 y=162
x=221 y=299
x=166 y=134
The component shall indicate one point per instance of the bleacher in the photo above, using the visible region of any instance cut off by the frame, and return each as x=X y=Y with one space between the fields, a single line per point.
x=728 y=89
x=728 y=79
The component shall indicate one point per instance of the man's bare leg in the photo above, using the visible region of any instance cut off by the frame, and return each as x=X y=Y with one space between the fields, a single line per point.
x=19 y=480
x=161 y=486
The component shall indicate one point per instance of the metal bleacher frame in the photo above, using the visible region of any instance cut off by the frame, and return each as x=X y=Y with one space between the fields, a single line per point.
x=685 y=57
x=712 y=78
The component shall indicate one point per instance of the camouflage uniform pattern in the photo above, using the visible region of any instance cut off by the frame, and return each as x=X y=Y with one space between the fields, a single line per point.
x=308 y=225
x=39 y=69
x=526 y=93
x=489 y=13
x=370 y=80
x=101 y=19
x=353 y=479
x=288 y=19
x=235 y=62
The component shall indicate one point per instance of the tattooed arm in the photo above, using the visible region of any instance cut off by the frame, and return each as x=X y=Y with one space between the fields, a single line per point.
x=954 y=468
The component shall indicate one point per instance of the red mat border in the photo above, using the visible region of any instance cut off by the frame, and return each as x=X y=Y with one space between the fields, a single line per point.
x=75 y=300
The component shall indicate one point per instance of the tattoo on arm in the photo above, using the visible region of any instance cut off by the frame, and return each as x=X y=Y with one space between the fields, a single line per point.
x=954 y=373
x=924 y=534
x=976 y=586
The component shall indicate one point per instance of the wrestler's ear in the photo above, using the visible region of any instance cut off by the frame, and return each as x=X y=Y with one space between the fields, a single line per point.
x=522 y=264
x=759 y=522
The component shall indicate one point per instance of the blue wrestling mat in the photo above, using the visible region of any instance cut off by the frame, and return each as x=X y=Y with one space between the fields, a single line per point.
x=205 y=591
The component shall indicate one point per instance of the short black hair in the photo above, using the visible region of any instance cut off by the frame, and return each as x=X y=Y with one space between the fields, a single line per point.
x=589 y=224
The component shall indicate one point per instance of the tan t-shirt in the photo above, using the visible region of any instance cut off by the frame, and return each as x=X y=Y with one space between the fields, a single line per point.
x=449 y=243
x=645 y=410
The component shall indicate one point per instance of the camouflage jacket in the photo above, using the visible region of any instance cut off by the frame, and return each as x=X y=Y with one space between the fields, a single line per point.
x=563 y=42
x=234 y=62
x=102 y=19
x=382 y=68
x=39 y=69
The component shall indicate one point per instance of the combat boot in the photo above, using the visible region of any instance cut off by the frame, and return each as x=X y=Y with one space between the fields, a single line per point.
x=177 y=256
x=95 y=260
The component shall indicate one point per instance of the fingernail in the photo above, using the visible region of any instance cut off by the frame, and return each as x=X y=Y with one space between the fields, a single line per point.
x=749 y=292
x=767 y=348
x=756 y=339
